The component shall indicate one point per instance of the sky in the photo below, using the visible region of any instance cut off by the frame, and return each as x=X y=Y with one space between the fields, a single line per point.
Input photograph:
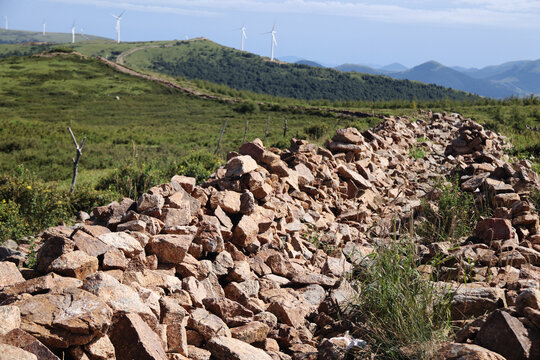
x=469 y=33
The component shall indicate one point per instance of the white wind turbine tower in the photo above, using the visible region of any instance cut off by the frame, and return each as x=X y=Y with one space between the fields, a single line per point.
x=44 y=27
x=243 y=36
x=5 y=17
x=274 y=41
x=73 y=33
x=118 y=19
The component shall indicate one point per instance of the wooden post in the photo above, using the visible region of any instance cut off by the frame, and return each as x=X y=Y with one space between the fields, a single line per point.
x=220 y=136
x=267 y=126
x=75 y=160
x=245 y=132
x=285 y=128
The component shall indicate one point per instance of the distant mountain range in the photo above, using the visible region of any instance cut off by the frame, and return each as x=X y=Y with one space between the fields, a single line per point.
x=516 y=78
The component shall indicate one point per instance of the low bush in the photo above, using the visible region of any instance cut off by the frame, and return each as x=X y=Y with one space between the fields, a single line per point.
x=131 y=180
x=246 y=108
x=199 y=165
x=402 y=314
x=316 y=131
x=455 y=215
x=28 y=205
x=417 y=152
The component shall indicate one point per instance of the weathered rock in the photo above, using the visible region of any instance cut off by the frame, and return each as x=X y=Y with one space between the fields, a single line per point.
x=114 y=259
x=245 y=232
x=89 y=243
x=494 y=229
x=186 y=182
x=61 y=320
x=229 y=201
x=359 y=181
x=229 y=311
x=466 y=352
x=505 y=335
x=170 y=248
x=77 y=264
x=10 y=318
x=121 y=240
x=119 y=297
x=53 y=248
x=101 y=349
x=475 y=301
x=240 y=165
x=150 y=204
x=134 y=339
x=175 y=317
x=251 y=333
x=207 y=324
x=226 y=348
x=8 y=352
x=27 y=342
x=9 y=274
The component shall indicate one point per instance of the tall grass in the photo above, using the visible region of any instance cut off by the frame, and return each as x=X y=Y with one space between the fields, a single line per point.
x=403 y=315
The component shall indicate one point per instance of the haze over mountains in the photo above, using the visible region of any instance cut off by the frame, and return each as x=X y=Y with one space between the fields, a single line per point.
x=516 y=78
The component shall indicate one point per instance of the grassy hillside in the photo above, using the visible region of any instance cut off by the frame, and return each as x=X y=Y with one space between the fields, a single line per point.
x=41 y=96
x=242 y=70
x=19 y=36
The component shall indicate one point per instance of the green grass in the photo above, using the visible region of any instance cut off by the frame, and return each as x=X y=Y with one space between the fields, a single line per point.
x=401 y=314
x=40 y=97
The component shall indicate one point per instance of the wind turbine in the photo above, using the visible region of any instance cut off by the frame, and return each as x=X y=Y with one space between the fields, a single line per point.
x=5 y=17
x=243 y=35
x=44 y=27
x=274 y=41
x=118 y=19
x=73 y=33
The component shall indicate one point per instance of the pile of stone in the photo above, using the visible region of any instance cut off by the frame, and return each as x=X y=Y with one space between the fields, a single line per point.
x=252 y=264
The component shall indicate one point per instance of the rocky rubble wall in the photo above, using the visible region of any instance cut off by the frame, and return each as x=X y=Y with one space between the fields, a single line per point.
x=252 y=263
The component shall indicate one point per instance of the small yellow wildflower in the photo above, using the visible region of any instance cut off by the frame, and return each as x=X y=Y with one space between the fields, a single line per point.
x=29 y=187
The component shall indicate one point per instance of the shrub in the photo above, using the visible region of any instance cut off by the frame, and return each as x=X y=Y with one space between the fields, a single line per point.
x=316 y=131
x=28 y=206
x=403 y=315
x=11 y=224
x=199 y=165
x=246 y=108
x=131 y=180
x=454 y=216
x=417 y=152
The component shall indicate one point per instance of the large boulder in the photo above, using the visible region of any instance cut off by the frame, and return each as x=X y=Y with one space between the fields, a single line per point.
x=77 y=264
x=169 y=248
x=119 y=297
x=134 y=339
x=9 y=274
x=60 y=320
x=505 y=335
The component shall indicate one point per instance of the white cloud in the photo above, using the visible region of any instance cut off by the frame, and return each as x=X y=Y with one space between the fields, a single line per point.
x=496 y=13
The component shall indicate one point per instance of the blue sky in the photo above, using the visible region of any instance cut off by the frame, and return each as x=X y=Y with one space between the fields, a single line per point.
x=453 y=32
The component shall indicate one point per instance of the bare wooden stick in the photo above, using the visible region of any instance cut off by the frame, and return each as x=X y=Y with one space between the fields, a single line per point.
x=267 y=126
x=220 y=136
x=285 y=128
x=75 y=160
x=245 y=132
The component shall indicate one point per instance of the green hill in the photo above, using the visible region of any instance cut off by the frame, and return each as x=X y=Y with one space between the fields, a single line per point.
x=125 y=118
x=206 y=60
x=20 y=36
